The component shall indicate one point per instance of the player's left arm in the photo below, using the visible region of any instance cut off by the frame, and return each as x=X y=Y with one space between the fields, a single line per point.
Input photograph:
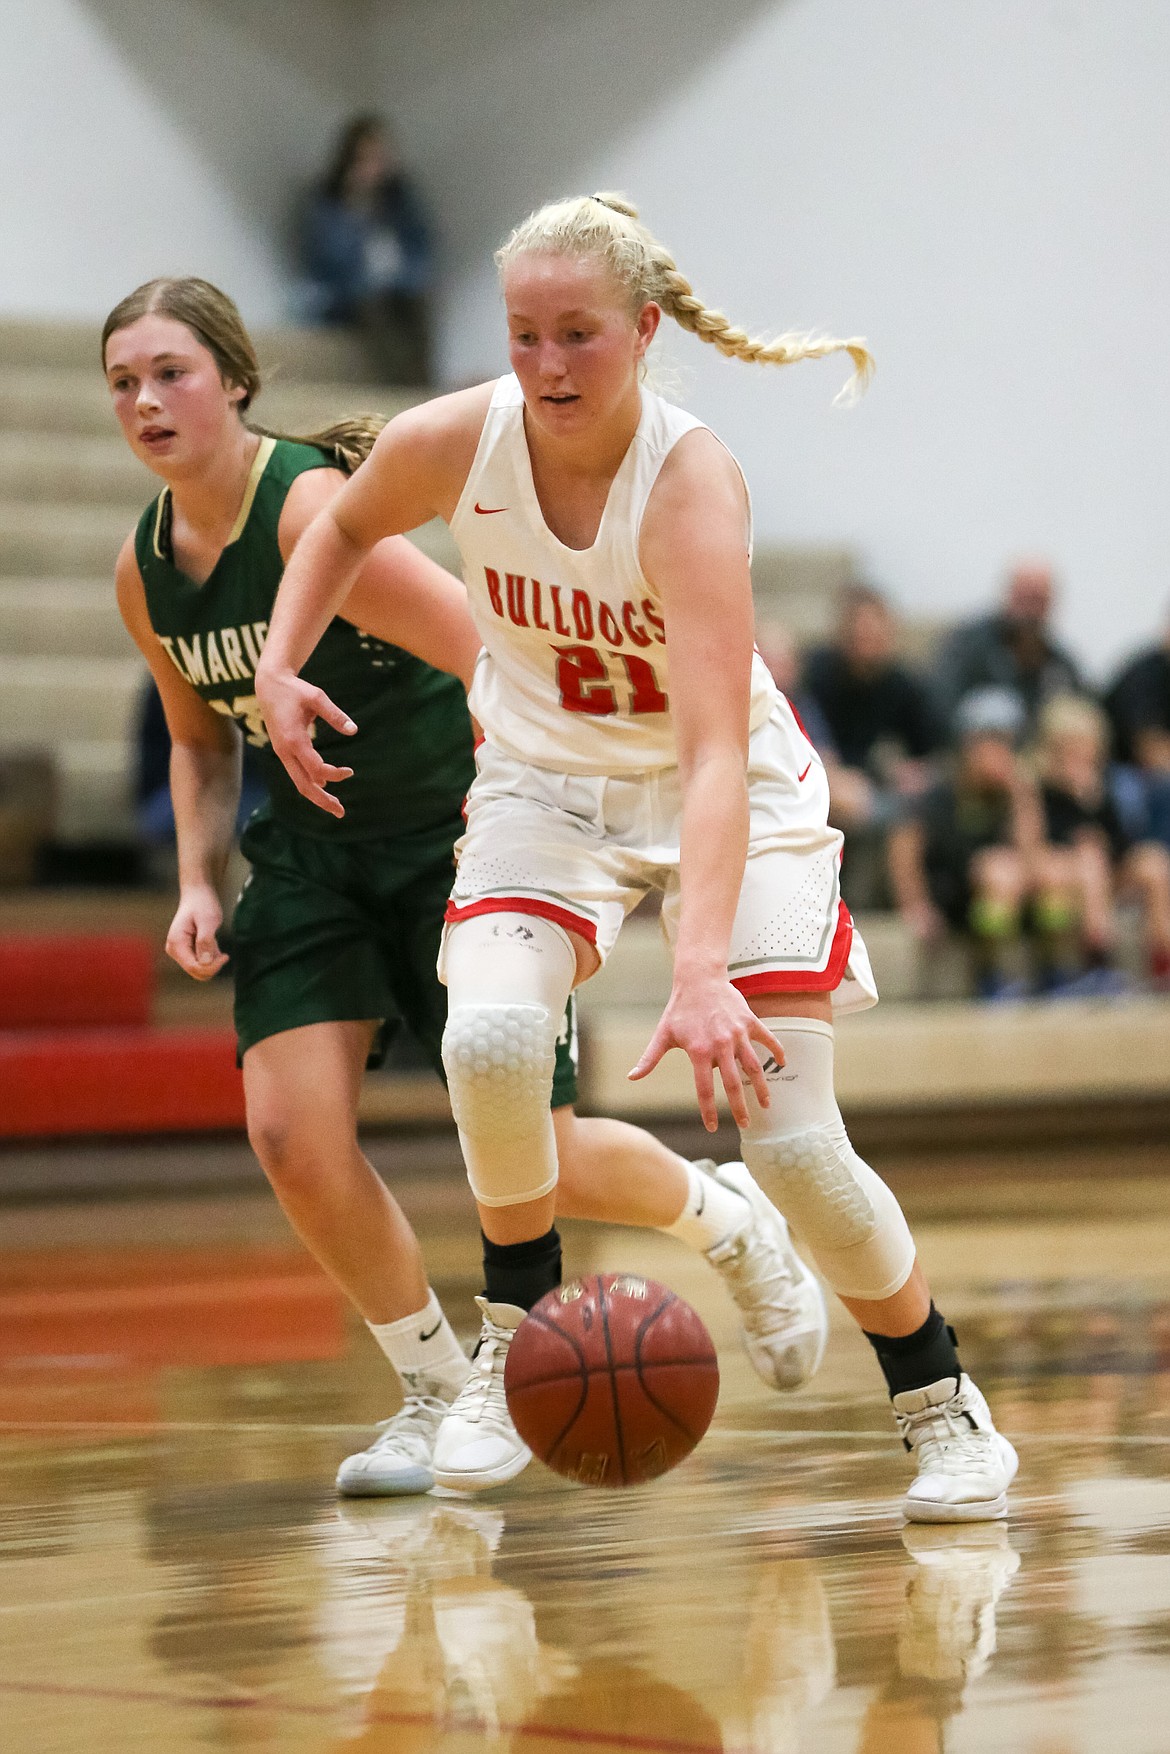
x=694 y=551
x=401 y=595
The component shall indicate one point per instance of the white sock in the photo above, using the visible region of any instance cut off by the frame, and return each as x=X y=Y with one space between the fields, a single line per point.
x=711 y=1213
x=424 y=1351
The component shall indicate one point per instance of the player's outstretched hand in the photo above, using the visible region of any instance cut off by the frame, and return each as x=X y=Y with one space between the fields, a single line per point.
x=712 y=1022
x=192 y=941
x=291 y=707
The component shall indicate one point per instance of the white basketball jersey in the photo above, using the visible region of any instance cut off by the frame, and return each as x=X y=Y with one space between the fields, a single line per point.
x=574 y=674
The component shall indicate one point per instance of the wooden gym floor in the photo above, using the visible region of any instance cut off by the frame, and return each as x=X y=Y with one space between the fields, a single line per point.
x=177 y=1386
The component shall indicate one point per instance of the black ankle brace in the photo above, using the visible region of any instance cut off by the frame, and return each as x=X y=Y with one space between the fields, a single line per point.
x=911 y=1361
x=521 y=1272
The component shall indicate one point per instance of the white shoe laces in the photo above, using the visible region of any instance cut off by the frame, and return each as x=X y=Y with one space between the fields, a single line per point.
x=760 y=1280
x=411 y=1431
x=481 y=1400
x=943 y=1439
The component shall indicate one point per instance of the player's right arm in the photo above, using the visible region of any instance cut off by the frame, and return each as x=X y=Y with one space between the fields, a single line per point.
x=206 y=752
x=414 y=473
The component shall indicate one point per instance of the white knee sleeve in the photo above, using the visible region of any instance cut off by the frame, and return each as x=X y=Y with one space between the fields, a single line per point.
x=799 y=1152
x=508 y=979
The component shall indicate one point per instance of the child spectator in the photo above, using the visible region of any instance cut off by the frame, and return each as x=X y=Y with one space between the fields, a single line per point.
x=1107 y=862
x=970 y=855
x=366 y=248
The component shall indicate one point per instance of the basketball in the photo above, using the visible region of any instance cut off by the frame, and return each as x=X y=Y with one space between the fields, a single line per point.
x=612 y=1380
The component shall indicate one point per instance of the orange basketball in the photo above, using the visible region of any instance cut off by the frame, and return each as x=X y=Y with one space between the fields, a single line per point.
x=612 y=1380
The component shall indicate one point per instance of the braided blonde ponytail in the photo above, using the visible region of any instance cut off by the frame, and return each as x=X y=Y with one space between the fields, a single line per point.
x=607 y=225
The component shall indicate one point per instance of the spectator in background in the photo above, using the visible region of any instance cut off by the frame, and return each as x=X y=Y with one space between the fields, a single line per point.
x=884 y=727
x=970 y=854
x=880 y=715
x=366 y=249
x=1013 y=649
x=1138 y=704
x=1107 y=862
x=848 y=791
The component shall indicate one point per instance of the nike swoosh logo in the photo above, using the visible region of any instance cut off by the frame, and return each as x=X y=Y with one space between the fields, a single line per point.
x=433 y=1331
x=804 y=775
x=488 y=511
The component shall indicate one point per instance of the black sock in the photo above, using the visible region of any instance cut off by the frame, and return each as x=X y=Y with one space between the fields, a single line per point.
x=911 y=1361
x=521 y=1272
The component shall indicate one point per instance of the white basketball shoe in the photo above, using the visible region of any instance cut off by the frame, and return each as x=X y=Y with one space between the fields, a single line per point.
x=964 y=1466
x=477 y=1444
x=785 y=1321
x=398 y=1462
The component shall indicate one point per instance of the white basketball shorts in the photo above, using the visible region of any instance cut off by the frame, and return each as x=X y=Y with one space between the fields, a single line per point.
x=583 y=850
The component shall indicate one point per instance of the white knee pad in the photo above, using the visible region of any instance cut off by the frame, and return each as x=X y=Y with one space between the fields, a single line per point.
x=508 y=977
x=799 y=1152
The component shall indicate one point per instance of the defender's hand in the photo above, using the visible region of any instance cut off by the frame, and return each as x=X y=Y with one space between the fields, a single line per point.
x=290 y=708
x=192 y=941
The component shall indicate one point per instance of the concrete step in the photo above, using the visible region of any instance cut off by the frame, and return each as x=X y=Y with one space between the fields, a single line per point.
x=60 y=538
x=95 y=790
x=47 y=702
x=302 y=352
x=54 y=618
x=915 y=1057
x=82 y=469
x=48 y=399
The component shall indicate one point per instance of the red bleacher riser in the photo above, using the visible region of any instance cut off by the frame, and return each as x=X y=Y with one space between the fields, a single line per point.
x=55 y=1083
x=76 y=980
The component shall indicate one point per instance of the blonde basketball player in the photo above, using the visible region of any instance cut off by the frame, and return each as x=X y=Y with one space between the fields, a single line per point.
x=339 y=925
x=634 y=741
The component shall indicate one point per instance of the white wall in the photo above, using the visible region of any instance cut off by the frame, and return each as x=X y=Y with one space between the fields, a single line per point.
x=980 y=186
x=142 y=138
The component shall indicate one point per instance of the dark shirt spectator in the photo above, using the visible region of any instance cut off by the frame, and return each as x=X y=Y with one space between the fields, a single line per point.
x=1138 y=705
x=879 y=713
x=1014 y=649
x=367 y=250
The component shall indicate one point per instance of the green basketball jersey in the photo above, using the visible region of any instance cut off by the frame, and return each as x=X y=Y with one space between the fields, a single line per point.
x=411 y=757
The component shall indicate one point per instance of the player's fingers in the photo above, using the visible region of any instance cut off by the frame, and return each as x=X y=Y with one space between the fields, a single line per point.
x=733 y=1085
x=209 y=957
x=759 y=1031
x=655 y=1048
x=705 y=1090
x=180 y=947
x=320 y=771
x=308 y=788
x=332 y=714
x=750 y=1061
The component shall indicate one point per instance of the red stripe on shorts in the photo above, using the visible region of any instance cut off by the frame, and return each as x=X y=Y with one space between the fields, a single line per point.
x=522 y=904
x=789 y=980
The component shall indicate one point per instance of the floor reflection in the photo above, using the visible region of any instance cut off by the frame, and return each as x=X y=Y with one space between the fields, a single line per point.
x=175 y=1571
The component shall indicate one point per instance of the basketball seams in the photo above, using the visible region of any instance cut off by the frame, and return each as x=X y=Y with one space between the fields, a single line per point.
x=639 y=1337
x=582 y=1377
x=603 y=1306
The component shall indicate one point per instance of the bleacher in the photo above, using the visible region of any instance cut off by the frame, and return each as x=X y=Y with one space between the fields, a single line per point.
x=69 y=682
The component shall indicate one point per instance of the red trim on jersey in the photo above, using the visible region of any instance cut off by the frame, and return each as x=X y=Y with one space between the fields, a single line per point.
x=791 y=980
x=522 y=904
x=800 y=726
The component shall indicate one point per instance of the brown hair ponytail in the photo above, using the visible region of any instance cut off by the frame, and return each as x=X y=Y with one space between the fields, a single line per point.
x=607 y=225
x=214 y=320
